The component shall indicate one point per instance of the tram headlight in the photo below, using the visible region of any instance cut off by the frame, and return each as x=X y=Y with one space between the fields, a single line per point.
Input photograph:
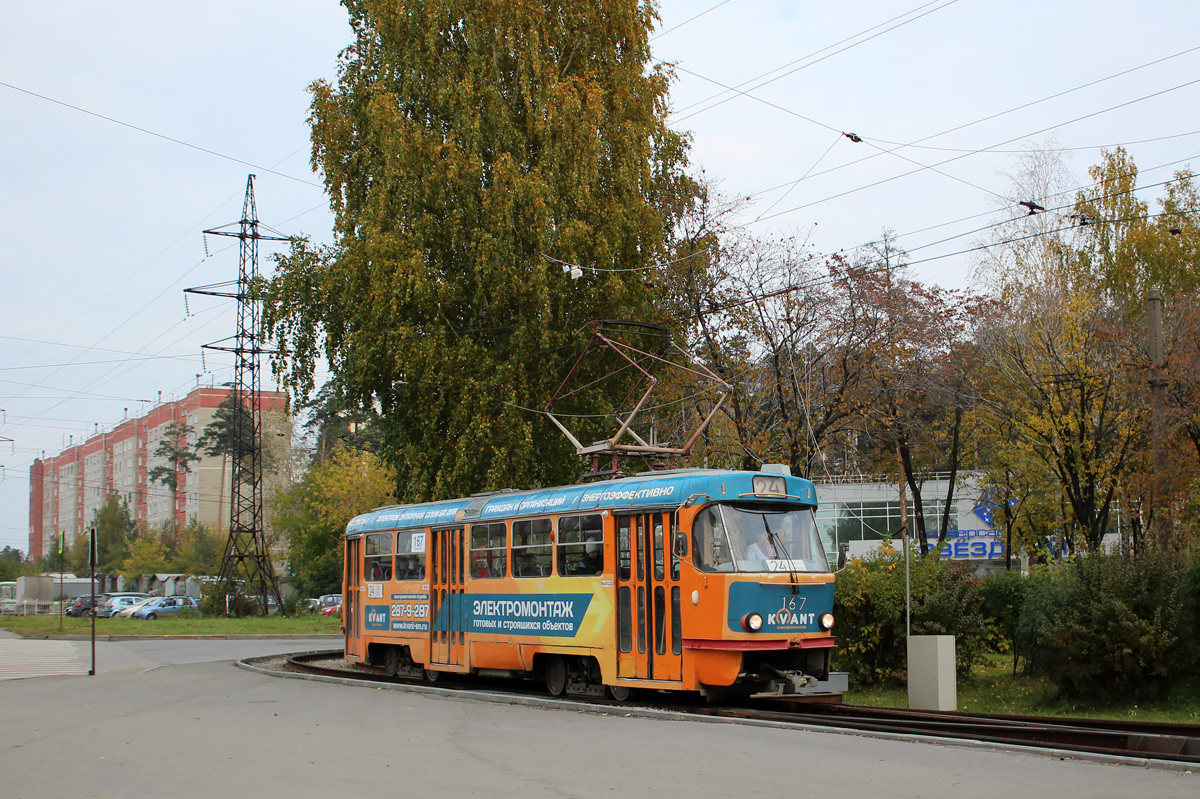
x=752 y=622
x=825 y=620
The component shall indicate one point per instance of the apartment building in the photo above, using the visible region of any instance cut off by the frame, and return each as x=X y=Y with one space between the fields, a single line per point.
x=66 y=490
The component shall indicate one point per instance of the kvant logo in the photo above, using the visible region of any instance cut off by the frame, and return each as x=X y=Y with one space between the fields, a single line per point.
x=376 y=617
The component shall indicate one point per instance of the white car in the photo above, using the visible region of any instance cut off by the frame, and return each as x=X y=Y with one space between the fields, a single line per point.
x=115 y=603
x=127 y=611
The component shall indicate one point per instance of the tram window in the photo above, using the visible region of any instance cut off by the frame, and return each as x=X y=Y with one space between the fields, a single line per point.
x=576 y=534
x=640 y=529
x=624 y=620
x=677 y=540
x=489 y=550
x=532 y=550
x=641 y=618
x=436 y=538
x=676 y=623
x=658 y=547
x=378 y=554
x=410 y=565
x=660 y=621
x=623 y=548
x=710 y=543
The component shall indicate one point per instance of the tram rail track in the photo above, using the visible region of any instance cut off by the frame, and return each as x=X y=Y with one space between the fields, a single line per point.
x=1151 y=742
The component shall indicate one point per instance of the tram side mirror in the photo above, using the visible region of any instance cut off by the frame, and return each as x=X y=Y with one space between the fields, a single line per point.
x=841 y=558
x=680 y=545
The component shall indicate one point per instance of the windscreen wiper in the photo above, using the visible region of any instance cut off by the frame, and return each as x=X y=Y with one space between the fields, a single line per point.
x=780 y=549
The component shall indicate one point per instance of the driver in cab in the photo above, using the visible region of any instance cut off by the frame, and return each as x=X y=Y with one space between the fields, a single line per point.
x=761 y=549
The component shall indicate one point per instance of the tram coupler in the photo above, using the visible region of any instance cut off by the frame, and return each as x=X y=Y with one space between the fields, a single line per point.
x=792 y=682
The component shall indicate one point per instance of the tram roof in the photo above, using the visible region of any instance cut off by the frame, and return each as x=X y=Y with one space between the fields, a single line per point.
x=649 y=489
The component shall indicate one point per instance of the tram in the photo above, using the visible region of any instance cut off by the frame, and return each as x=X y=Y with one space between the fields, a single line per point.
x=689 y=580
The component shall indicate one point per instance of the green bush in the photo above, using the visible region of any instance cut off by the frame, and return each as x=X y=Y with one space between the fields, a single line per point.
x=216 y=601
x=870 y=609
x=1107 y=628
x=1003 y=597
x=953 y=605
x=1189 y=589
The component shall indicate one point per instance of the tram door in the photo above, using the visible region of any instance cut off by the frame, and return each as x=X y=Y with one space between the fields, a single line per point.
x=649 y=645
x=447 y=606
x=352 y=601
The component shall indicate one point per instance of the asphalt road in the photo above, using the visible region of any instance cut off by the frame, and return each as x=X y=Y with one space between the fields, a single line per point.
x=177 y=718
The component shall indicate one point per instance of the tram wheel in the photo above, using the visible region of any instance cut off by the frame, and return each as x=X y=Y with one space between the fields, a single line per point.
x=391 y=661
x=556 y=675
x=620 y=693
x=432 y=676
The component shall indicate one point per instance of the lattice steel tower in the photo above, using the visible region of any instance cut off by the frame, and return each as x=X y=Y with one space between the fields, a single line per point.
x=247 y=557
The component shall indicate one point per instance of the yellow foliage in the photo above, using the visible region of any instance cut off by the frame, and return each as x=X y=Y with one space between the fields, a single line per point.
x=349 y=483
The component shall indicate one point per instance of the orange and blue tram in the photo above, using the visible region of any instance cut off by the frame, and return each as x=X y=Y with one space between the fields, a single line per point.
x=689 y=580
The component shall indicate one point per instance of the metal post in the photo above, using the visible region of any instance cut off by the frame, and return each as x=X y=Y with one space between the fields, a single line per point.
x=92 y=566
x=62 y=537
x=1159 y=513
x=904 y=541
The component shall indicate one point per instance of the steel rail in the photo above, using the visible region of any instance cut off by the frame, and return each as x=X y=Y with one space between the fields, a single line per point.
x=1178 y=743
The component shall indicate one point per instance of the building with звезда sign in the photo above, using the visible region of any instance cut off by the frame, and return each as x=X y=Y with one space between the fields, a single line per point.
x=858 y=514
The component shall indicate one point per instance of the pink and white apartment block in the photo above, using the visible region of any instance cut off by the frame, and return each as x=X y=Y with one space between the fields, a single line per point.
x=66 y=490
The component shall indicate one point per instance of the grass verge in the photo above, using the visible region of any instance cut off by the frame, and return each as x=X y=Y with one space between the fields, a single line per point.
x=304 y=624
x=994 y=689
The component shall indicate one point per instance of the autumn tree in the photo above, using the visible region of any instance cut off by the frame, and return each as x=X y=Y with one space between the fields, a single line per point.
x=1128 y=248
x=1067 y=386
x=749 y=317
x=11 y=561
x=147 y=555
x=786 y=327
x=199 y=549
x=1063 y=358
x=1012 y=480
x=835 y=366
x=1131 y=247
x=471 y=152
x=914 y=415
x=336 y=421
x=114 y=528
x=313 y=514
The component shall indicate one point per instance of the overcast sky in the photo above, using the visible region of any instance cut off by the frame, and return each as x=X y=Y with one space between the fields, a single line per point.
x=130 y=127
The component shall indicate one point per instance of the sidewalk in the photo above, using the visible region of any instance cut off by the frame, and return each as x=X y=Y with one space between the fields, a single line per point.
x=20 y=658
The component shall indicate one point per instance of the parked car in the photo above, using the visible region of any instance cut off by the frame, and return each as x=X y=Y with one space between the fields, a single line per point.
x=331 y=604
x=312 y=605
x=128 y=610
x=81 y=605
x=111 y=604
x=159 y=606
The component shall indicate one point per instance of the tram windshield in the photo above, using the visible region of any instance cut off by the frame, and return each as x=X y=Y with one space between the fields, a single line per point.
x=757 y=538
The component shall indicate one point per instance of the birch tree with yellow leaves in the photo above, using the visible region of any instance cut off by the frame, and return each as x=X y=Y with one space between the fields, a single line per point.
x=472 y=151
